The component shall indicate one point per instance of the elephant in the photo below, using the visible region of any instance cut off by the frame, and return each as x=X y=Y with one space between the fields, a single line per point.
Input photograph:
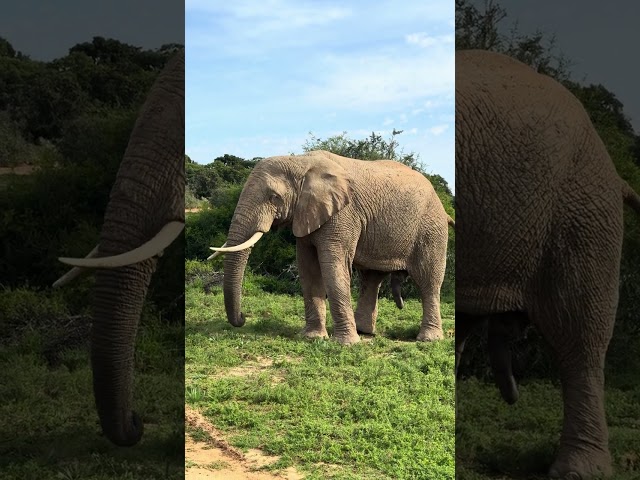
x=145 y=214
x=540 y=229
x=376 y=216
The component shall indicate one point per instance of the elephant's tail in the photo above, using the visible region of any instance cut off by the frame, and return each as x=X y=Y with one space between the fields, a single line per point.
x=452 y=222
x=630 y=197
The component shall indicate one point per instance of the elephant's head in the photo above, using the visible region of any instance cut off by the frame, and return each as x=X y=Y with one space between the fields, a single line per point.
x=303 y=191
x=145 y=215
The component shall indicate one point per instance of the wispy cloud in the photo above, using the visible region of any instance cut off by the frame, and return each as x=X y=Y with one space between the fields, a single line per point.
x=372 y=81
x=438 y=129
x=424 y=40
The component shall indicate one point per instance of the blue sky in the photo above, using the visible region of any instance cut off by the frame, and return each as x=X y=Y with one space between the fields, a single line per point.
x=262 y=74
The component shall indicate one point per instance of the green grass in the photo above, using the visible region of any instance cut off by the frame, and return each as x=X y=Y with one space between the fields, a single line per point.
x=380 y=409
x=497 y=441
x=48 y=422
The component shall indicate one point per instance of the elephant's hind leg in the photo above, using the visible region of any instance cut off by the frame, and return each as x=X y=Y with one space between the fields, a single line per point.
x=427 y=268
x=429 y=278
x=431 y=326
x=579 y=338
x=367 y=310
x=313 y=291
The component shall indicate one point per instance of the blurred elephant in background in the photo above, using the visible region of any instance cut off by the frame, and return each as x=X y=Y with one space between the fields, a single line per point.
x=375 y=216
x=540 y=230
x=144 y=216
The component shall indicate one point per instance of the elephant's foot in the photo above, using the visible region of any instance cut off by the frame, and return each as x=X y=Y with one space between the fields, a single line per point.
x=365 y=326
x=582 y=464
x=430 y=334
x=347 y=339
x=315 y=332
x=346 y=336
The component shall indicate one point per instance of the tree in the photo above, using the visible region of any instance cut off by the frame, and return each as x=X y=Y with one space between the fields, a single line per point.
x=6 y=49
x=373 y=147
x=479 y=29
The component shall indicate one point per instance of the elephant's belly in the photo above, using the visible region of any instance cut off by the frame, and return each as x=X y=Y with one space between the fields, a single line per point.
x=383 y=265
x=381 y=251
x=477 y=299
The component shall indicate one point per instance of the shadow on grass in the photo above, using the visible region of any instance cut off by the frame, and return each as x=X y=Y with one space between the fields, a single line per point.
x=93 y=454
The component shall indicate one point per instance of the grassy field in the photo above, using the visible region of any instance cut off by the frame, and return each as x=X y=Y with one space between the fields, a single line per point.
x=498 y=441
x=381 y=409
x=48 y=423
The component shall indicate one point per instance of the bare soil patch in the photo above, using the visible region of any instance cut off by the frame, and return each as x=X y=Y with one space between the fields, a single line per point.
x=17 y=170
x=216 y=459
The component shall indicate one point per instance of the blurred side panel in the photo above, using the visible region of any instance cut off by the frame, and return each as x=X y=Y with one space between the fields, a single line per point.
x=547 y=277
x=91 y=240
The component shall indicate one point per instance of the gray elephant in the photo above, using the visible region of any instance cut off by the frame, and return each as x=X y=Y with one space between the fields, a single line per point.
x=145 y=215
x=378 y=217
x=540 y=230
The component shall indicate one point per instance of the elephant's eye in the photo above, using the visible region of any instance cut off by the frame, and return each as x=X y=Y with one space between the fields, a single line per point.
x=274 y=198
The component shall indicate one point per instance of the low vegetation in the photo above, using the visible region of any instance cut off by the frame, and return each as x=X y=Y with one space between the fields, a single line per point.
x=48 y=420
x=383 y=408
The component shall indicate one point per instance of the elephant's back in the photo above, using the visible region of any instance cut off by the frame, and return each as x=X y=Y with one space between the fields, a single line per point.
x=508 y=177
x=528 y=166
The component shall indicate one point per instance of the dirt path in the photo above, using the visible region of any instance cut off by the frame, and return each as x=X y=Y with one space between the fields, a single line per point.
x=216 y=459
x=17 y=170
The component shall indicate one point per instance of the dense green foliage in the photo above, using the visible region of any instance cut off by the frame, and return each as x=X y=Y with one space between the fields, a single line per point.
x=216 y=187
x=70 y=119
x=383 y=408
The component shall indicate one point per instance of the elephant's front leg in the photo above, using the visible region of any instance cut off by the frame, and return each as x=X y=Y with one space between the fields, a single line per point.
x=313 y=291
x=336 y=273
x=367 y=310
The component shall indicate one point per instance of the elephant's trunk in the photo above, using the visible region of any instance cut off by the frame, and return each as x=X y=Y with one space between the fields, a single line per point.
x=234 y=265
x=242 y=228
x=119 y=296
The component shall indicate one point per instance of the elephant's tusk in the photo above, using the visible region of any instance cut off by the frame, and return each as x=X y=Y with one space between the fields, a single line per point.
x=75 y=272
x=153 y=247
x=236 y=248
x=211 y=257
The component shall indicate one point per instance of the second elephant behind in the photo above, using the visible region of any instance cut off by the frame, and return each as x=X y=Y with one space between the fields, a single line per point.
x=376 y=216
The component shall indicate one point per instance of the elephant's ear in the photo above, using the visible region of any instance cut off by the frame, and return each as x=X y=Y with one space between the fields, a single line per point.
x=326 y=189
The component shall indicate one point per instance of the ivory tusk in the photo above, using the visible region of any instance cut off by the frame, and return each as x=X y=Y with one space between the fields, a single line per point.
x=236 y=248
x=153 y=247
x=75 y=272
x=211 y=257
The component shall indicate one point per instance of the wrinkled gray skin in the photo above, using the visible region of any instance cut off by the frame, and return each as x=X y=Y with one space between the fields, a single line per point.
x=148 y=193
x=540 y=222
x=378 y=217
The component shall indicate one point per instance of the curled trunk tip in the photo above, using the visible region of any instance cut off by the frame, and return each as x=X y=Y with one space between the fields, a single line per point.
x=124 y=431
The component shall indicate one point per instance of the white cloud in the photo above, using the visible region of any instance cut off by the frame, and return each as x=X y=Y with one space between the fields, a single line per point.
x=371 y=81
x=249 y=26
x=387 y=121
x=423 y=40
x=270 y=14
x=438 y=129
